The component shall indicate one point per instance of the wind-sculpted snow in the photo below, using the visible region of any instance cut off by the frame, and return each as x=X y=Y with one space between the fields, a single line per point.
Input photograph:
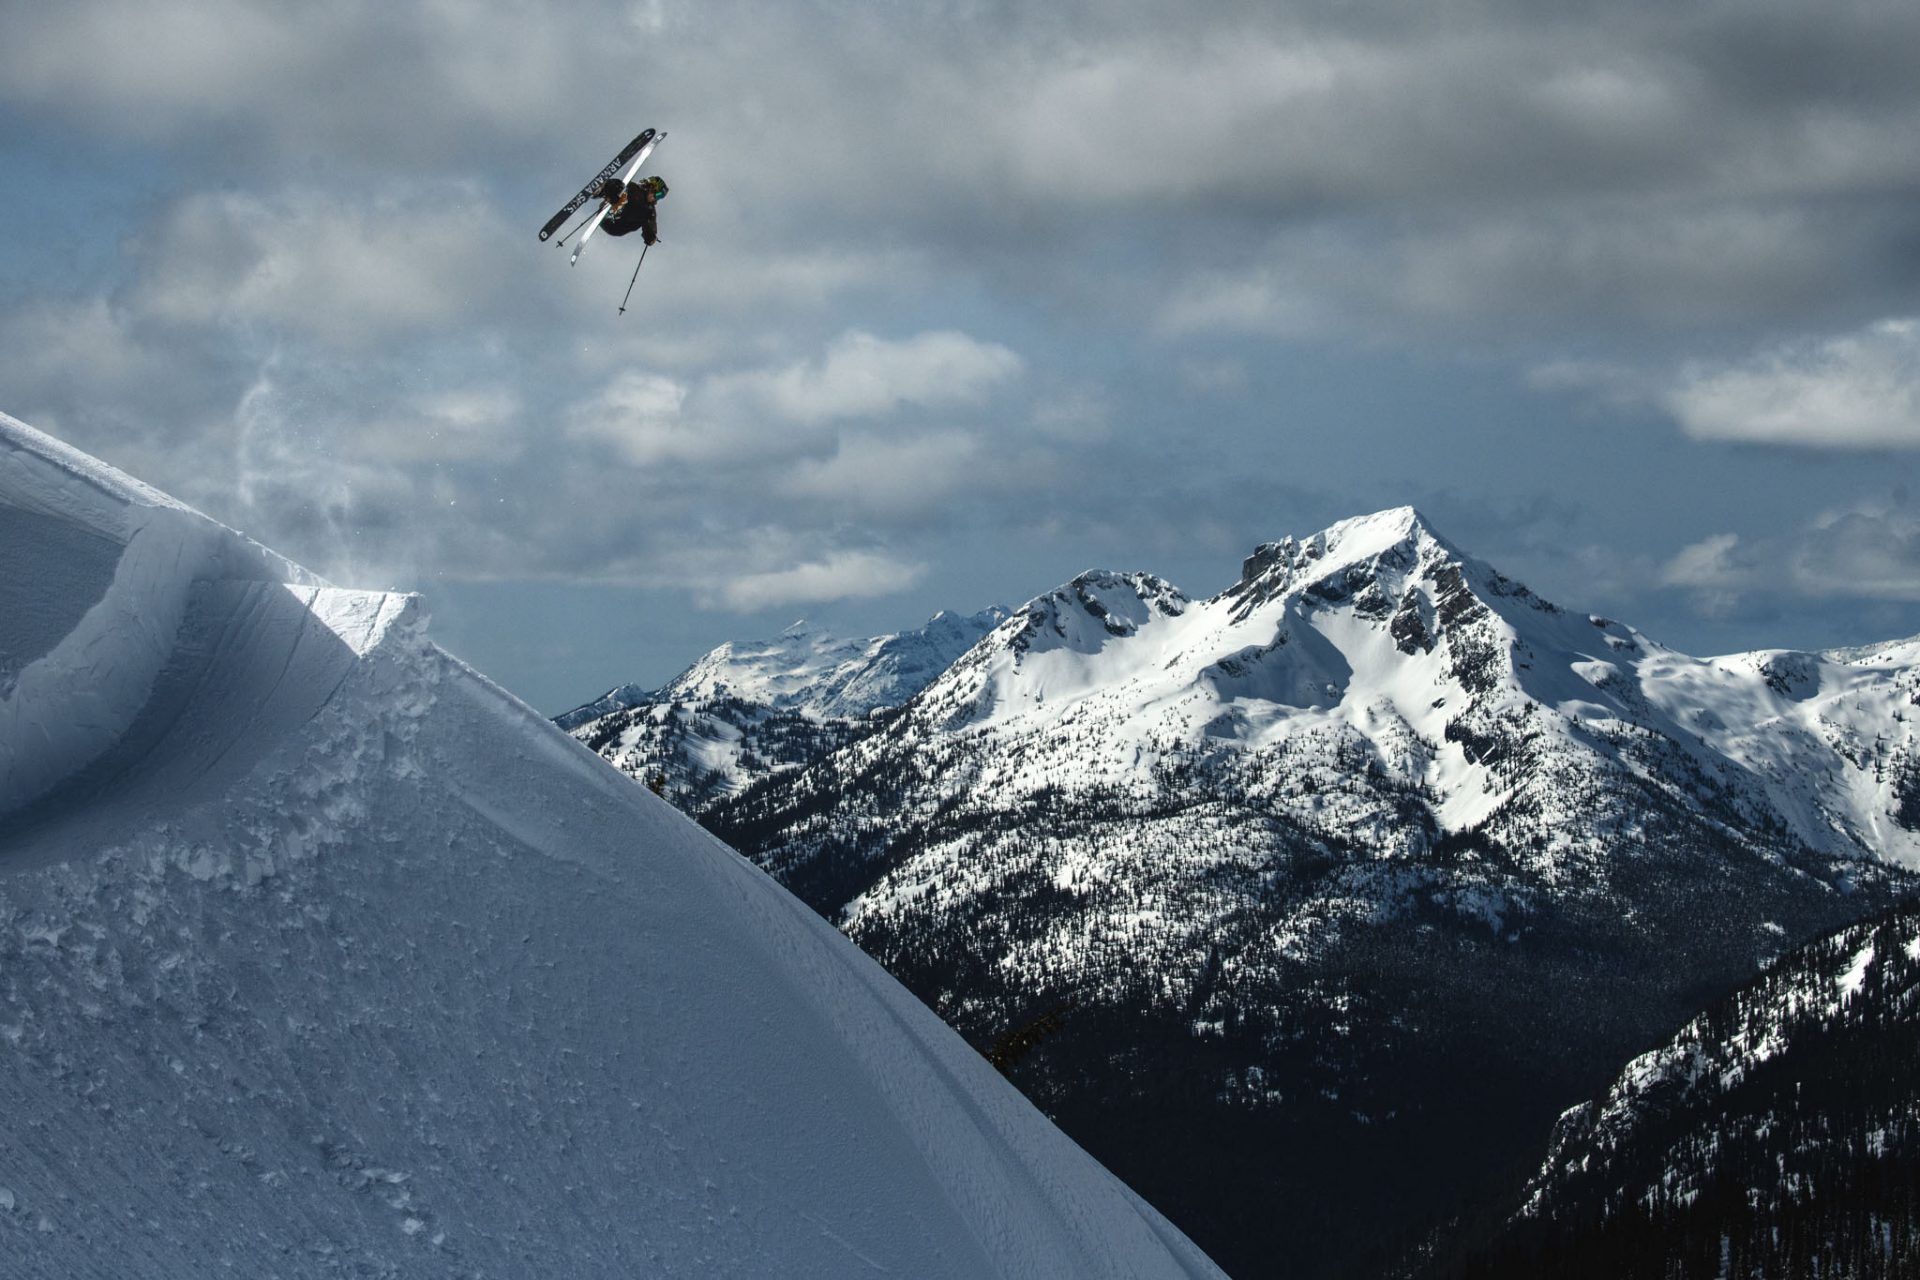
x=320 y=955
x=82 y=641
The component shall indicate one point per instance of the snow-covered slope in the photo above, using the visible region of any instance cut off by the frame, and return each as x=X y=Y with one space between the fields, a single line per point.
x=748 y=709
x=321 y=955
x=614 y=700
x=819 y=674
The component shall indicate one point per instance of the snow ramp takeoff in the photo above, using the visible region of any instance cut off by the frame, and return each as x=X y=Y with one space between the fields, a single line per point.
x=320 y=955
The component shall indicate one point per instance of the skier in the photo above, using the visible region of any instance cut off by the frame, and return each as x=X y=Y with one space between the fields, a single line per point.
x=630 y=206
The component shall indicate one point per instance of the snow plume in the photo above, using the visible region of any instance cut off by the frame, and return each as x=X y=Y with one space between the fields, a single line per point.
x=285 y=483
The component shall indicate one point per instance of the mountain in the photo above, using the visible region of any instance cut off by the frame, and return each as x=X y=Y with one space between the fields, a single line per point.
x=1776 y=1134
x=614 y=700
x=1333 y=889
x=321 y=955
x=749 y=709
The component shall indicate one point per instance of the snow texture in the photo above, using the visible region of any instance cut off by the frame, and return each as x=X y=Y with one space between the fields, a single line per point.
x=750 y=707
x=321 y=955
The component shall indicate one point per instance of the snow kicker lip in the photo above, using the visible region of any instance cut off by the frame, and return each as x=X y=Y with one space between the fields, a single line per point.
x=172 y=656
x=249 y=664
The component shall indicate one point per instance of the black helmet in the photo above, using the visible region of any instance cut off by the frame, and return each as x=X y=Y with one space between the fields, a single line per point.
x=658 y=185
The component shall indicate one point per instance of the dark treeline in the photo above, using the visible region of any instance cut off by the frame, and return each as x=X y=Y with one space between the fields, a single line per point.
x=1859 y=1220
x=1789 y=1147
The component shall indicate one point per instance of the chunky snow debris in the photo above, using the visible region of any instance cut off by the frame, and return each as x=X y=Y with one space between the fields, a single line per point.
x=320 y=954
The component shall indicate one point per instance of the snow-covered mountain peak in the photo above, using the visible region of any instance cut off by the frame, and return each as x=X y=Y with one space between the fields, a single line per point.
x=1378 y=636
x=1349 y=542
x=813 y=672
x=1095 y=605
x=1371 y=562
x=748 y=708
x=774 y=671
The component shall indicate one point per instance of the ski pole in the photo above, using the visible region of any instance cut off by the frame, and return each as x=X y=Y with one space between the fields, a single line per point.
x=571 y=234
x=636 y=276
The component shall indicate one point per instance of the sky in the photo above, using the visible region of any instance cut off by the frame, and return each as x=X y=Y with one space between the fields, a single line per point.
x=956 y=299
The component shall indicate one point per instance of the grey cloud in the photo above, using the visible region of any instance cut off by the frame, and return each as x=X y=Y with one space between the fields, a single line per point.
x=1463 y=144
x=863 y=376
x=311 y=262
x=843 y=575
x=1571 y=269
x=1872 y=553
x=1867 y=553
x=337 y=330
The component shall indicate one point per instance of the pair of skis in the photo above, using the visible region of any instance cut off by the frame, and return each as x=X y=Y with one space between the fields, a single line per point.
x=624 y=166
x=634 y=151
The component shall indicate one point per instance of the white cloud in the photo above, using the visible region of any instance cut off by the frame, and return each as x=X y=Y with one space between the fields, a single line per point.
x=55 y=342
x=1858 y=390
x=641 y=416
x=1711 y=562
x=891 y=477
x=840 y=576
x=815 y=430
x=1868 y=551
x=863 y=376
x=482 y=421
x=1263 y=299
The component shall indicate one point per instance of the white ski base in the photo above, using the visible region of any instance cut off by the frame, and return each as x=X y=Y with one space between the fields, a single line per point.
x=626 y=175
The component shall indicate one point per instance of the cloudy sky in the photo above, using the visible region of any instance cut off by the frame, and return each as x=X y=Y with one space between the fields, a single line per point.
x=957 y=298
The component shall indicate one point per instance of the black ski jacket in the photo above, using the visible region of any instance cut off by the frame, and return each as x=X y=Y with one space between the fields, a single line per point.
x=635 y=213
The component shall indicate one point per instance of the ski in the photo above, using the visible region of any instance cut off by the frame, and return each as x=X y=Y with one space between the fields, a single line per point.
x=626 y=175
x=586 y=193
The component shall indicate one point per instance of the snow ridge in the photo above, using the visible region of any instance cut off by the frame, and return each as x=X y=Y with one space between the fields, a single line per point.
x=321 y=955
x=750 y=708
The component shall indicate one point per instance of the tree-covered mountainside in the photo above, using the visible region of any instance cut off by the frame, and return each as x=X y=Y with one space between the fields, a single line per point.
x=1776 y=1135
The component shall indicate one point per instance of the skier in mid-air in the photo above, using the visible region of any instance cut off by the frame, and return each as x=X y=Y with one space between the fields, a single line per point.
x=627 y=203
x=631 y=207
